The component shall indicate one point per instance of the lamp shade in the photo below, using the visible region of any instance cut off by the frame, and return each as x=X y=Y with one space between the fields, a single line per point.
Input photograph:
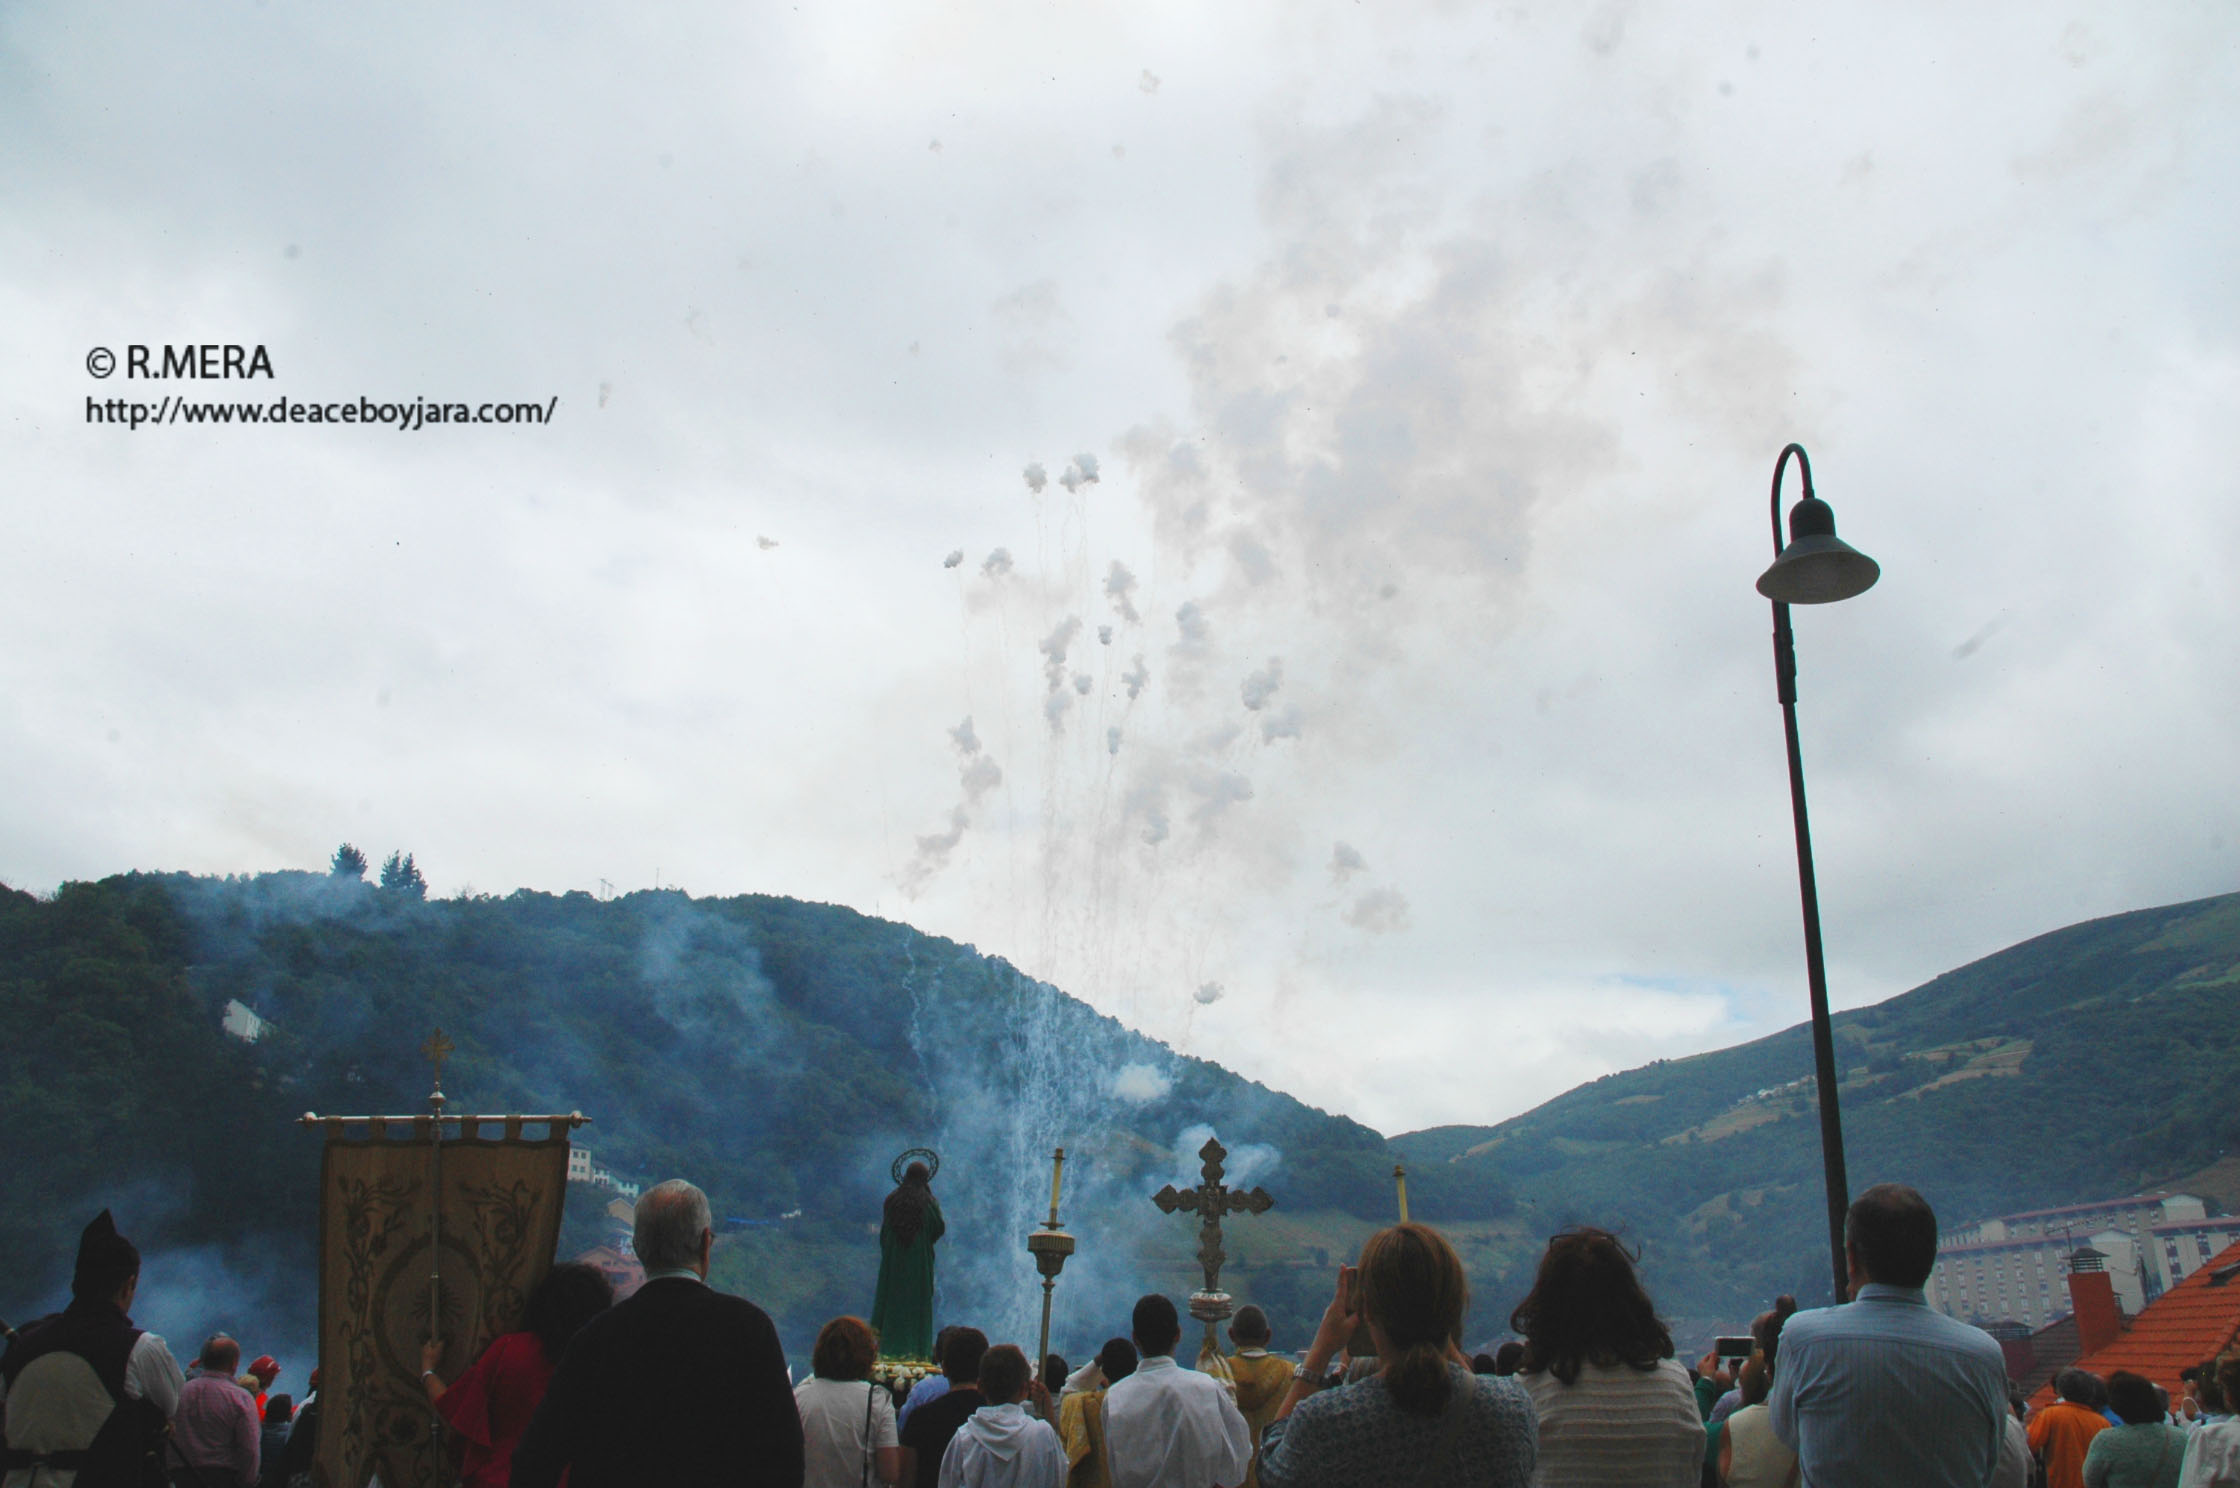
x=1817 y=567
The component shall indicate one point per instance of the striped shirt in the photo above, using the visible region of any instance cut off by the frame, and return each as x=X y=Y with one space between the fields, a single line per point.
x=1618 y=1424
x=1885 y=1392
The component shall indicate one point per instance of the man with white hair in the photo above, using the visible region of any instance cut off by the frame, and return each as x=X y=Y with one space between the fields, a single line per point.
x=680 y=1385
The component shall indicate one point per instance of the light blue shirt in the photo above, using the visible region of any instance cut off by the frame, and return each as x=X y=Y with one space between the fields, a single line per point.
x=1884 y=1392
x=924 y=1392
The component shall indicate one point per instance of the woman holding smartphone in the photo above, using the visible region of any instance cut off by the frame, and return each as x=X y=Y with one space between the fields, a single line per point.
x=1423 y=1417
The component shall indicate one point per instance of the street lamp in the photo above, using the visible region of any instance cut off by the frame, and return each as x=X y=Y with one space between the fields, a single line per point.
x=1814 y=567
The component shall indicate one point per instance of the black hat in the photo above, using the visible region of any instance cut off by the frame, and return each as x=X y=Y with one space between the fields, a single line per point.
x=106 y=1261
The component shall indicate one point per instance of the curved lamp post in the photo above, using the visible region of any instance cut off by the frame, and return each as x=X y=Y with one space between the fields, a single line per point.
x=1814 y=567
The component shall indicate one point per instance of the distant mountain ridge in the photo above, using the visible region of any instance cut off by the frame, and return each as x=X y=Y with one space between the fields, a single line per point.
x=2079 y=1064
x=780 y=1053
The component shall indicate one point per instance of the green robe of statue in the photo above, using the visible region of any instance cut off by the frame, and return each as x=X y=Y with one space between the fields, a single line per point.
x=902 y=1313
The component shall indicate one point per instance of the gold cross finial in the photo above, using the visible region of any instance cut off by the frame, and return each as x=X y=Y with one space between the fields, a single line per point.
x=436 y=1050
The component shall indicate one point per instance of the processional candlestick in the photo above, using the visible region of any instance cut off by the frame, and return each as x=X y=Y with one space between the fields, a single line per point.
x=1050 y=1246
x=1210 y=1200
x=436 y=1050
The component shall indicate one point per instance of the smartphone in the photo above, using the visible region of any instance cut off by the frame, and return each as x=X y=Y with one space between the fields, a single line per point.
x=1734 y=1348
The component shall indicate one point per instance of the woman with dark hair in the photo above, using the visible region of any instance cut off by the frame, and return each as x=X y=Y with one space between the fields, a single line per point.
x=847 y=1422
x=1423 y=1417
x=902 y=1310
x=489 y=1406
x=2146 y=1451
x=1614 y=1405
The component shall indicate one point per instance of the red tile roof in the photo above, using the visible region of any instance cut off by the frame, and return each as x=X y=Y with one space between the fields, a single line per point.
x=2197 y=1319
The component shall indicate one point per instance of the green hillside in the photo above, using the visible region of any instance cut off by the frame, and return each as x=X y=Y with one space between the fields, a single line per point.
x=2083 y=1063
x=780 y=1054
x=776 y=1052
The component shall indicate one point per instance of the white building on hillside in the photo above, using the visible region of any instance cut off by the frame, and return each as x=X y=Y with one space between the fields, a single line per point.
x=2176 y=1250
x=2015 y=1268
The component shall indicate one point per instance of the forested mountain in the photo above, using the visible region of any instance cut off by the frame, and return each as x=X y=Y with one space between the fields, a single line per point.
x=2082 y=1064
x=780 y=1054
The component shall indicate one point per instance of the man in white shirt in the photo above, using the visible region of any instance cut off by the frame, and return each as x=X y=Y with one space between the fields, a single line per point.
x=1170 y=1427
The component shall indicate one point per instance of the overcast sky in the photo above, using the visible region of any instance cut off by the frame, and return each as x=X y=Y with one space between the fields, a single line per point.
x=1430 y=363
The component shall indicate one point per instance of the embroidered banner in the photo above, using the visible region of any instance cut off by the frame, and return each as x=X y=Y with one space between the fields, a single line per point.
x=387 y=1281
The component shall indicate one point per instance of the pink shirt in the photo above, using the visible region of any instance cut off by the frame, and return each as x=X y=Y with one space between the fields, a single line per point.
x=217 y=1425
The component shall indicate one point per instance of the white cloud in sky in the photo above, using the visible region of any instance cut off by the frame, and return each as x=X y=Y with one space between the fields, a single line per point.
x=1442 y=353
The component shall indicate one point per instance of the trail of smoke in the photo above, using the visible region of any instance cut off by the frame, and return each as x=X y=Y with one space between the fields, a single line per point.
x=1120 y=587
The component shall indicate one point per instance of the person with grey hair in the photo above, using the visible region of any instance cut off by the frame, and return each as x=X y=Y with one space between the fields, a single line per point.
x=680 y=1385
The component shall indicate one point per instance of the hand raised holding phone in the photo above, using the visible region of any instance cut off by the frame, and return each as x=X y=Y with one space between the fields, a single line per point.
x=1341 y=1318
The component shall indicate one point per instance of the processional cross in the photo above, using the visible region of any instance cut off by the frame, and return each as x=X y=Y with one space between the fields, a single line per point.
x=1211 y=1200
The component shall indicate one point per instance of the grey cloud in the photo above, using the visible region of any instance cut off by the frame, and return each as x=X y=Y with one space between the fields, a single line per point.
x=1135 y=676
x=1208 y=993
x=956 y=556
x=1345 y=862
x=997 y=564
x=1283 y=725
x=1082 y=682
x=1104 y=635
x=1037 y=477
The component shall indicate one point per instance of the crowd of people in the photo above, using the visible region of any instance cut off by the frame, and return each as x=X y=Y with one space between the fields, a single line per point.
x=88 y=1396
x=683 y=1385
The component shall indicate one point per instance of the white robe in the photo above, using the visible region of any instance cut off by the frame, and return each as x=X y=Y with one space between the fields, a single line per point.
x=1001 y=1446
x=1170 y=1427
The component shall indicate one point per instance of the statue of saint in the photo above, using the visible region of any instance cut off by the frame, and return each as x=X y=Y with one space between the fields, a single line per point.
x=902 y=1313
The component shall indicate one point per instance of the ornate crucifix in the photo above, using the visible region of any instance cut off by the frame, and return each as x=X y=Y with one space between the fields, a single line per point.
x=1210 y=1200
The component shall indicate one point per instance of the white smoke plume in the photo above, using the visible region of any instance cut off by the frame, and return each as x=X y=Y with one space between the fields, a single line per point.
x=1261 y=686
x=1082 y=683
x=1138 y=1083
x=1104 y=635
x=1136 y=676
x=1345 y=862
x=1284 y=725
x=1208 y=994
x=996 y=564
x=765 y=543
x=1191 y=625
x=1054 y=647
x=1054 y=709
x=1119 y=585
x=1379 y=912
x=956 y=556
x=1036 y=477
x=979 y=777
x=977 y=774
x=1082 y=471
x=1112 y=739
x=1216 y=793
